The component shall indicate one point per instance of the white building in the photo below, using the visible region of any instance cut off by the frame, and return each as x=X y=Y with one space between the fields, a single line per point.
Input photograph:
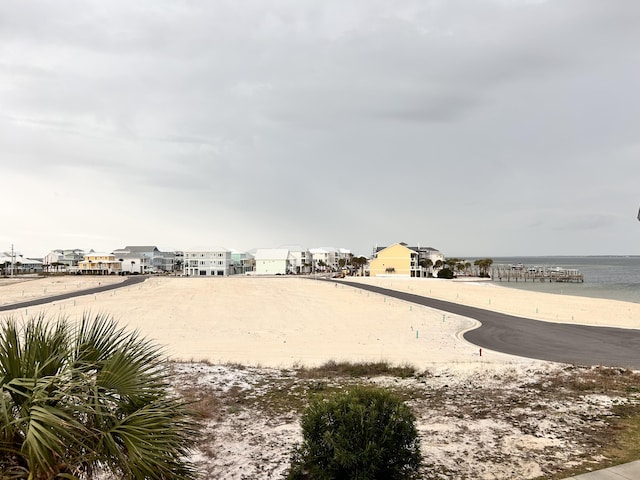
x=328 y=258
x=272 y=261
x=134 y=263
x=300 y=260
x=14 y=263
x=282 y=261
x=145 y=259
x=62 y=260
x=207 y=262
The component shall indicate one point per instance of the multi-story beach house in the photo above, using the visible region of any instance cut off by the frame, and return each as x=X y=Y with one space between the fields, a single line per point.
x=300 y=259
x=328 y=258
x=272 y=261
x=14 y=263
x=292 y=259
x=145 y=259
x=400 y=259
x=242 y=263
x=62 y=260
x=97 y=263
x=429 y=255
x=207 y=262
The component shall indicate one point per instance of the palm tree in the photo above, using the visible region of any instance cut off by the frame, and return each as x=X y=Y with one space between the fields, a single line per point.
x=427 y=264
x=178 y=265
x=452 y=262
x=359 y=263
x=78 y=401
x=483 y=264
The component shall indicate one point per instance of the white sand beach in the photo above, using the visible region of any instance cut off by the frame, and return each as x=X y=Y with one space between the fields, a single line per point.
x=285 y=321
x=243 y=326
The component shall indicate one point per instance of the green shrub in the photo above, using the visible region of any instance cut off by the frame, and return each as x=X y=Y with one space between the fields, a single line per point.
x=363 y=434
x=446 y=273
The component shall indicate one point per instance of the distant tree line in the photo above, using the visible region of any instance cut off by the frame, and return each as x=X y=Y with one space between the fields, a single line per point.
x=451 y=267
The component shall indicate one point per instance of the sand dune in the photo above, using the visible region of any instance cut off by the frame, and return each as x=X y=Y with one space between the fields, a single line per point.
x=285 y=321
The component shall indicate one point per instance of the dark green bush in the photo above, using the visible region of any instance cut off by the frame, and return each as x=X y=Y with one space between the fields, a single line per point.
x=363 y=434
x=446 y=273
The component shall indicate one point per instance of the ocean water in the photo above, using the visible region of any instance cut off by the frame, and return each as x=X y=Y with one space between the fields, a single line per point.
x=613 y=277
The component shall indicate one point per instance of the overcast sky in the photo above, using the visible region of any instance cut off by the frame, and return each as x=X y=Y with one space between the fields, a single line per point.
x=478 y=127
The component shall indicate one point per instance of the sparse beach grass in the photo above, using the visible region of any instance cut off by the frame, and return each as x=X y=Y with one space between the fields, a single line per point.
x=535 y=424
x=350 y=369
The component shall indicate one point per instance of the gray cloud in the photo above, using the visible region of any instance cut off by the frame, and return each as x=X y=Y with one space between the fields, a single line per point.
x=478 y=127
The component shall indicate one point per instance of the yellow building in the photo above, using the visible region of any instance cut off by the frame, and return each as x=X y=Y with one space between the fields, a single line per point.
x=99 y=264
x=400 y=259
x=396 y=259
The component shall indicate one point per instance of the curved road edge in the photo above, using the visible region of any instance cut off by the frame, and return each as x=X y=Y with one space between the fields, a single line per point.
x=525 y=337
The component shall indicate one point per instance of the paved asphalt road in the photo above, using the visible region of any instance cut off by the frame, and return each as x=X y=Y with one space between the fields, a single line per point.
x=90 y=291
x=556 y=342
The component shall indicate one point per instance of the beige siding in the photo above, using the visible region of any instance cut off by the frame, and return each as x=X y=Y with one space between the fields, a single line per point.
x=396 y=257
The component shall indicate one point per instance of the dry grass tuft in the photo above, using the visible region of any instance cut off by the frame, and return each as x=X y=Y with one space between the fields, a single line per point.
x=333 y=369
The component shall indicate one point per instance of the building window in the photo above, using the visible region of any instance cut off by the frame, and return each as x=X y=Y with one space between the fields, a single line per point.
x=203 y=272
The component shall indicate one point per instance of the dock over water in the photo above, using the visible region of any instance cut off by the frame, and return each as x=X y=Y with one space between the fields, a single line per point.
x=522 y=273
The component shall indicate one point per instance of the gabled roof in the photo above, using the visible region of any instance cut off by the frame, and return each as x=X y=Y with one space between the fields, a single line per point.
x=402 y=244
x=144 y=248
x=32 y=261
x=130 y=255
x=423 y=249
x=415 y=249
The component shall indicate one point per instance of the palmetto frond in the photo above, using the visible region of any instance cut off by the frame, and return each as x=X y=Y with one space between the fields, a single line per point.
x=75 y=400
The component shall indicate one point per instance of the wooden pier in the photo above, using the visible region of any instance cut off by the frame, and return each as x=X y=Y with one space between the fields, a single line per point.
x=521 y=273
